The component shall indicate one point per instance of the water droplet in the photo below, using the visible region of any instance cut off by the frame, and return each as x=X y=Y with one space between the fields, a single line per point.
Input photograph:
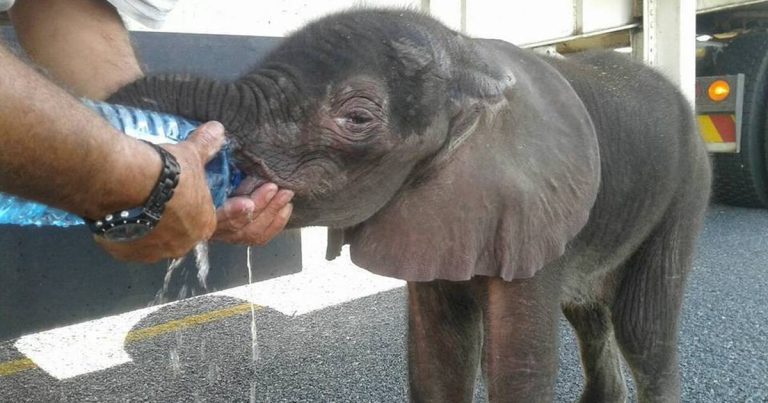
x=161 y=296
x=213 y=373
x=254 y=339
x=203 y=264
x=203 y=268
x=253 y=391
x=175 y=362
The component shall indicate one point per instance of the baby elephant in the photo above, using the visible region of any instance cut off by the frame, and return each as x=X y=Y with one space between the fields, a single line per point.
x=502 y=185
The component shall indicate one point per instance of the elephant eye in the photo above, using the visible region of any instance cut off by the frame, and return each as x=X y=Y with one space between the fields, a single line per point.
x=359 y=116
x=357 y=119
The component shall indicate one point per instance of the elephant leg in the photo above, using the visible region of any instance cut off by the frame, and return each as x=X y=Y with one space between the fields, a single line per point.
x=599 y=353
x=521 y=338
x=444 y=341
x=648 y=301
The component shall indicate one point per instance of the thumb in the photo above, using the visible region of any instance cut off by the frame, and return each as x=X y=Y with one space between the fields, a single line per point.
x=207 y=140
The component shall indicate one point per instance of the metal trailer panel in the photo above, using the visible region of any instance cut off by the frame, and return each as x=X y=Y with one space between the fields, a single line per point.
x=521 y=22
x=57 y=276
x=518 y=22
x=527 y=23
x=604 y=14
x=668 y=41
x=451 y=12
x=258 y=18
x=707 y=6
x=530 y=24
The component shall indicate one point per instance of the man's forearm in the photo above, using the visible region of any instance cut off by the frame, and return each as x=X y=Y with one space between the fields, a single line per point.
x=90 y=52
x=56 y=151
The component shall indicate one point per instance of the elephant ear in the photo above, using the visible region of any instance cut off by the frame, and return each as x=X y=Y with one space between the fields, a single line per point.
x=513 y=185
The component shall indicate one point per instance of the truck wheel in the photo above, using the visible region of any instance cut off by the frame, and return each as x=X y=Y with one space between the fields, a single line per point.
x=740 y=179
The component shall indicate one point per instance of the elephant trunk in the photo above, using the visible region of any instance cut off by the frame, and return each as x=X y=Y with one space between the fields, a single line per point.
x=262 y=98
x=195 y=98
x=257 y=110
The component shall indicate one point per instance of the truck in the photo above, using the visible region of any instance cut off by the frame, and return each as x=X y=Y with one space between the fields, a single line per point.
x=731 y=91
x=728 y=71
x=725 y=75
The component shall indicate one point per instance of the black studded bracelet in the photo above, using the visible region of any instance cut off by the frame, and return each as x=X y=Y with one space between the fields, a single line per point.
x=149 y=214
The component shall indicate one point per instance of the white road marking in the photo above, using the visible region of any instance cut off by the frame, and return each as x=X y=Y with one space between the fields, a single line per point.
x=313 y=289
x=86 y=347
x=99 y=344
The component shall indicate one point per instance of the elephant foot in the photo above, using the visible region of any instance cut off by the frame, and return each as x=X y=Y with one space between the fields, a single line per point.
x=601 y=394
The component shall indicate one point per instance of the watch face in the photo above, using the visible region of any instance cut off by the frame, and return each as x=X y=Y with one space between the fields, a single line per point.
x=127 y=232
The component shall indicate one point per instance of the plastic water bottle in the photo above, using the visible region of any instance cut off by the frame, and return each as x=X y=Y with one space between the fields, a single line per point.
x=151 y=126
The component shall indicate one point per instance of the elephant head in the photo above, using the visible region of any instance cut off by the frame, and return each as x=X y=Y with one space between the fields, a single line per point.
x=434 y=155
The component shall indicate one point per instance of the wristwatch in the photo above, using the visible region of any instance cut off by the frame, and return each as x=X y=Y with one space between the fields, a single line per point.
x=132 y=224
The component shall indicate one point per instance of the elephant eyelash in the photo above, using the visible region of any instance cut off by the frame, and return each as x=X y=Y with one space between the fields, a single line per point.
x=359 y=130
x=359 y=116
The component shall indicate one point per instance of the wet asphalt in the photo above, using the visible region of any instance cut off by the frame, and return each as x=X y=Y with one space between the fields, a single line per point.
x=354 y=352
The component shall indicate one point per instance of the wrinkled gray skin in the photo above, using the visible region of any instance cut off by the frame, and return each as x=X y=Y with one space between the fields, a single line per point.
x=502 y=185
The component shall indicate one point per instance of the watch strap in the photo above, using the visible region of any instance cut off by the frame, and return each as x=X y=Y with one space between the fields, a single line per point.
x=131 y=216
x=166 y=183
x=149 y=214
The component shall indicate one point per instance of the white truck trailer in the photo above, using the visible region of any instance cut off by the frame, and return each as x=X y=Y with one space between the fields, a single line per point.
x=717 y=51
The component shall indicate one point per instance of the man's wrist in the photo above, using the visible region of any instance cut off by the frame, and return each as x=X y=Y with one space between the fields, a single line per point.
x=165 y=183
x=130 y=175
x=132 y=224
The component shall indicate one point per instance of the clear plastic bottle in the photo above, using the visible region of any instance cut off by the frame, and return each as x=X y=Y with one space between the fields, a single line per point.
x=151 y=126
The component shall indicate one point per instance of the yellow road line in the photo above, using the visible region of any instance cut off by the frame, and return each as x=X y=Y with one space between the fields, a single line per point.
x=13 y=367
x=179 y=324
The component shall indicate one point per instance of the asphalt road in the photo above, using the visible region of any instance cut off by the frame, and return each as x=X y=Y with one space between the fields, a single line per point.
x=201 y=349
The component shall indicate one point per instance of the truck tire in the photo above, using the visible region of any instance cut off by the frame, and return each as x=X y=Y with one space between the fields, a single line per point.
x=741 y=179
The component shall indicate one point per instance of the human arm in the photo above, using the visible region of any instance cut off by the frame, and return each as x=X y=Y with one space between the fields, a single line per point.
x=82 y=44
x=56 y=151
x=91 y=53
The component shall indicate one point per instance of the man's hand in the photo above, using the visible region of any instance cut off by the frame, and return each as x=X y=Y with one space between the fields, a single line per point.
x=189 y=216
x=254 y=219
